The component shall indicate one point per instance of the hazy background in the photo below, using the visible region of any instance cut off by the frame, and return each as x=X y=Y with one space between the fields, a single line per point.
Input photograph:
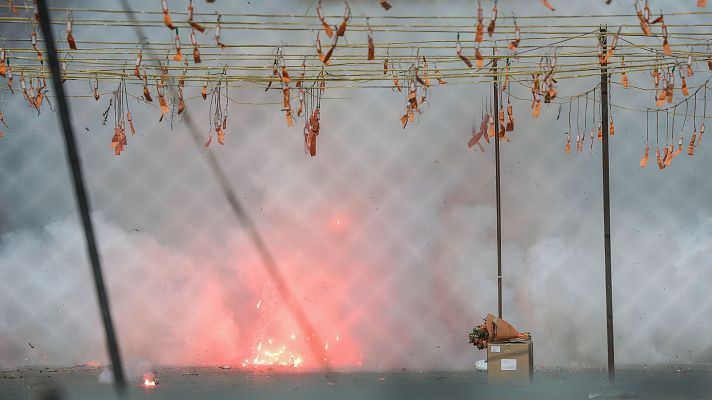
x=409 y=268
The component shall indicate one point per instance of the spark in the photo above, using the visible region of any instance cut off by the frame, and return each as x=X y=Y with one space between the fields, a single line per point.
x=149 y=380
x=259 y=303
x=268 y=355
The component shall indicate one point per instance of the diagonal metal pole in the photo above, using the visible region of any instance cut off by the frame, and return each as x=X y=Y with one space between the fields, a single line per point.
x=250 y=226
x=82 y=196
x=607 y=211
x=499 y=204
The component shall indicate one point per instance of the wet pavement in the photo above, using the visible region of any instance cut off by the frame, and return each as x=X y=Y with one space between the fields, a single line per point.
x=668 y=382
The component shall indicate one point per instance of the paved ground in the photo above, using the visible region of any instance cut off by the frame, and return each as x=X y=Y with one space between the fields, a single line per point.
x=671 y=382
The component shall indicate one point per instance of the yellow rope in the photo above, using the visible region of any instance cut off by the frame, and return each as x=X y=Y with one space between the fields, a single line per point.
x=250 y=65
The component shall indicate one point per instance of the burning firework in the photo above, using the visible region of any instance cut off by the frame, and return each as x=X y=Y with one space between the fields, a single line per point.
x=273 y=355
x=286 y=353
x=149 y=381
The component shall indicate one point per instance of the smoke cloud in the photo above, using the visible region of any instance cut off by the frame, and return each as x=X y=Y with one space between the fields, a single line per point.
x=387 y=237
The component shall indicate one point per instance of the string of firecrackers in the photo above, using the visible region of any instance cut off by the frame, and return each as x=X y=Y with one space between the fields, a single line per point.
x=193 y=24
x=94 y=75
x=664 y=82
x=109 y=71
x=545 y=86
x=197 y=53
x=543 y=82
x=190 y=18
x=417 y=82
x=666 y=92
x=664 y=158
x=310 y=107
x=669 y=152
x=273 y=25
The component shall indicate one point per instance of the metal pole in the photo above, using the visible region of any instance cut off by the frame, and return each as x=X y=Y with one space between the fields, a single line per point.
x=607 y=211
x=499 y=207
x=82 y=196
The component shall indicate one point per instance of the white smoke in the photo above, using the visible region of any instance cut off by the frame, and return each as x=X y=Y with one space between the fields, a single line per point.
x=408 y=271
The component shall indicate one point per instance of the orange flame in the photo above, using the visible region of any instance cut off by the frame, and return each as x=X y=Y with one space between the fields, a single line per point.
x=271 y=355
x=149 y=380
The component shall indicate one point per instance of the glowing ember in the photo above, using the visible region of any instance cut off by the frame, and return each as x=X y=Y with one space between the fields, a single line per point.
x=289 y=352
x=274 y=355
x=149 y=380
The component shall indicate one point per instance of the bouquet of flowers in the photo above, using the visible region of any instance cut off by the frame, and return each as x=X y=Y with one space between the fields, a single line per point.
x=495 y=330
x=479 y=336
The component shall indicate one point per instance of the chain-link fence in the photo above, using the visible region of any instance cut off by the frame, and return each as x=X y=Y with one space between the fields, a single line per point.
x=385 y=239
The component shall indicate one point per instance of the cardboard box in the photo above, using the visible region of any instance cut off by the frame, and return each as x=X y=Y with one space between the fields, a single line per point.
x=510 y=363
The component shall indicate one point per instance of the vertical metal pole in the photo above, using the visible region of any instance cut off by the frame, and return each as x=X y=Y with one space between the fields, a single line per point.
x=499 y=207
x=607 y=211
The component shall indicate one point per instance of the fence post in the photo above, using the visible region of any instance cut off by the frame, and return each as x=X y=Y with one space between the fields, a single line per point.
x=499 y=206
x=607 y=209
